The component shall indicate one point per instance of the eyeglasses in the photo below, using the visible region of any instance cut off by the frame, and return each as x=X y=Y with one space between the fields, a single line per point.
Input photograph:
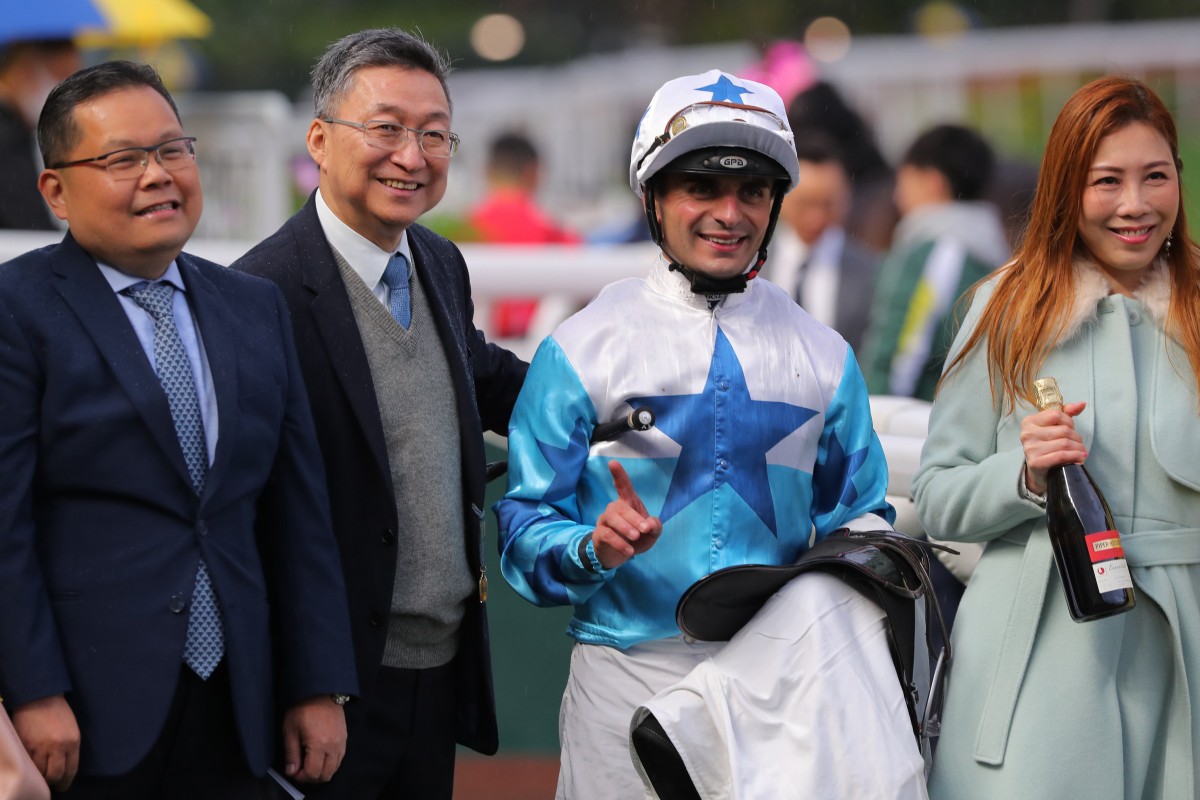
x=129 y=163
x=393 y=136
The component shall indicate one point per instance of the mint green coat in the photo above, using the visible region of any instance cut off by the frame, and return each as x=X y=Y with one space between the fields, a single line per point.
x=1040 y=706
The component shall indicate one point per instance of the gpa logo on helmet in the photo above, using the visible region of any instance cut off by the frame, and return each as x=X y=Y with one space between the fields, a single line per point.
x=733 y=162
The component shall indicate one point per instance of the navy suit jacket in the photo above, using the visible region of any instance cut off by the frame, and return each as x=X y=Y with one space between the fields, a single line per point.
x=486 y=381
x=101 y=532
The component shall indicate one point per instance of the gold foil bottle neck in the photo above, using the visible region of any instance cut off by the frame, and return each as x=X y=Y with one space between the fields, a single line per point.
x=1047 y=393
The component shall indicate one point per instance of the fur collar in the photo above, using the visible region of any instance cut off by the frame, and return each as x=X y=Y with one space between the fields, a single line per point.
x=1091 y=286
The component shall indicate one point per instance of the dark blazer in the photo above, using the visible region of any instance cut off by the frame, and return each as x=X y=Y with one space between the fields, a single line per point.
x=857 y=276
x=101 y=532
x=486 y=382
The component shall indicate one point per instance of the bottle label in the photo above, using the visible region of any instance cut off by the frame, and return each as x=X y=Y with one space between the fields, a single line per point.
x=1104 y=545
x=1112 y=575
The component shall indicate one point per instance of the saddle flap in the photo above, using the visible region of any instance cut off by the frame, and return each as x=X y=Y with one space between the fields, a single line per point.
x=716 y=607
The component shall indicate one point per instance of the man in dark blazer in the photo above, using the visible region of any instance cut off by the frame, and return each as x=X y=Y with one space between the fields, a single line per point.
x=831 y=274
x=402 y=385
x=167 y=569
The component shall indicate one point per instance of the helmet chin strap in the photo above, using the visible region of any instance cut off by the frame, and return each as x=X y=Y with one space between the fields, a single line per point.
x=707 y=285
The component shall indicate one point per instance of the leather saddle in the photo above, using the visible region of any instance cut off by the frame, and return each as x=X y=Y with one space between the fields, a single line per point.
x=888 y=567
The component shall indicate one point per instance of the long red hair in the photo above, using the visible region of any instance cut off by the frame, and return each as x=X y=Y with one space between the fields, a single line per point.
x=1028 y=311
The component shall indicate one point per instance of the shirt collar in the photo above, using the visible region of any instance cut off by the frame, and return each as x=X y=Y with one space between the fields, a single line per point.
x=120 y=281
x=827 y=249
x=363 y=255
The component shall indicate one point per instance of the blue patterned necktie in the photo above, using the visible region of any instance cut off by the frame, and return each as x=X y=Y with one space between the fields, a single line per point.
x=395 y=276
x=205 y=640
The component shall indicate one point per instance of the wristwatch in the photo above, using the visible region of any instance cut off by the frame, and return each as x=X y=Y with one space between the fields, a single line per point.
x=340 y=699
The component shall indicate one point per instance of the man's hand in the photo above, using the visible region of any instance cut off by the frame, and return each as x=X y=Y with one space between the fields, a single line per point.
x=314 y=739
x=625 y=528
x=1050 y=440
x=48 y=729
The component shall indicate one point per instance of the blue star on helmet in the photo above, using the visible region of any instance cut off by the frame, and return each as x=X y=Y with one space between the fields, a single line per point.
x=725 y=91
x=739 y=458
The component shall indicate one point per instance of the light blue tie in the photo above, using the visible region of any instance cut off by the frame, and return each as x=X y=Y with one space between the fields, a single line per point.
x=205 y=640
x=395 y=276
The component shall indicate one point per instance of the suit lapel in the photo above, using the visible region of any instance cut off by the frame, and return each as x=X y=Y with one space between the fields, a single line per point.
x=335 y=324
x=83 y=288
x=216 y=327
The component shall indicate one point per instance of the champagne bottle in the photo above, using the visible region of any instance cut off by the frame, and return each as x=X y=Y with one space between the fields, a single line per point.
x=1087 y=546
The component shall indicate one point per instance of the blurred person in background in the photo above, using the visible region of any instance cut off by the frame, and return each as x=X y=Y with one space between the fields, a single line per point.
x=1104 y=296
x=402 y=385
x=828 y=272
x=510 y=214
x=28 y=71
x=872 y=215
x=1011 y=191
x=947 y=239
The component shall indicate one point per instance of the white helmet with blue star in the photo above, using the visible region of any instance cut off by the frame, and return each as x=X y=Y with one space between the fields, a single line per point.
x=714 y=123
x=713 y=109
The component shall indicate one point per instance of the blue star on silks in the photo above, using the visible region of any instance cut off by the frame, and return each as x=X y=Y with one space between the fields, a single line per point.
x=562 y=460
x=725 y=91
x=832 y=483
x=751 y=426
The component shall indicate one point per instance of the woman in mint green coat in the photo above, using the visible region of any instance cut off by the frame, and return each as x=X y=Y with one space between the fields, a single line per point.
x=1104 y=295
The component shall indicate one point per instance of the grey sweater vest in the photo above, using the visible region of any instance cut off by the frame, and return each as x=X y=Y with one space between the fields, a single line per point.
x=420 y=427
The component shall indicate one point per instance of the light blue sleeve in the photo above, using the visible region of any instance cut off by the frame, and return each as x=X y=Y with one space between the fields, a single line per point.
x=850 y=476
x=540 y=518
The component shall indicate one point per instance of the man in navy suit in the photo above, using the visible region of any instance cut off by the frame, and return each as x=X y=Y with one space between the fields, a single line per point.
x=828 y=271
x=167 y=571
x=402 y=385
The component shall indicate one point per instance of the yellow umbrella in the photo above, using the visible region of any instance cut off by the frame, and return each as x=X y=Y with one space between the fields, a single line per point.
x=135 y=23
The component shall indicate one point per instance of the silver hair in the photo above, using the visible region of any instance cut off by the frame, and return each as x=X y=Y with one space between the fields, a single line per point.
x=333 y=74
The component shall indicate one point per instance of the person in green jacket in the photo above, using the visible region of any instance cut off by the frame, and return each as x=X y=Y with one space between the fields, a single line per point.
x=947 y=240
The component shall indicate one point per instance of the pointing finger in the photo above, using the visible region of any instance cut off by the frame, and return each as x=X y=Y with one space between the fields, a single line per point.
x=624 y=487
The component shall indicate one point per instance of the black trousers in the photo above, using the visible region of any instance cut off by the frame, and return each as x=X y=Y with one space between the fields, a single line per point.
x=198 y=755
x=401 y=741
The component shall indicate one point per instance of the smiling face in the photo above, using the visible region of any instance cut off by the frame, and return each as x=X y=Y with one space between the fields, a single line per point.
x=139 y=225
x=713 y=224
x=1130 y=202
x=375 y=191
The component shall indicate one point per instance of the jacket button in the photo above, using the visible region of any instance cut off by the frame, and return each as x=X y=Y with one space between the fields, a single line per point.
x=376 y=619
x=176 y=604
x=387 y=537
x=201 y=528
